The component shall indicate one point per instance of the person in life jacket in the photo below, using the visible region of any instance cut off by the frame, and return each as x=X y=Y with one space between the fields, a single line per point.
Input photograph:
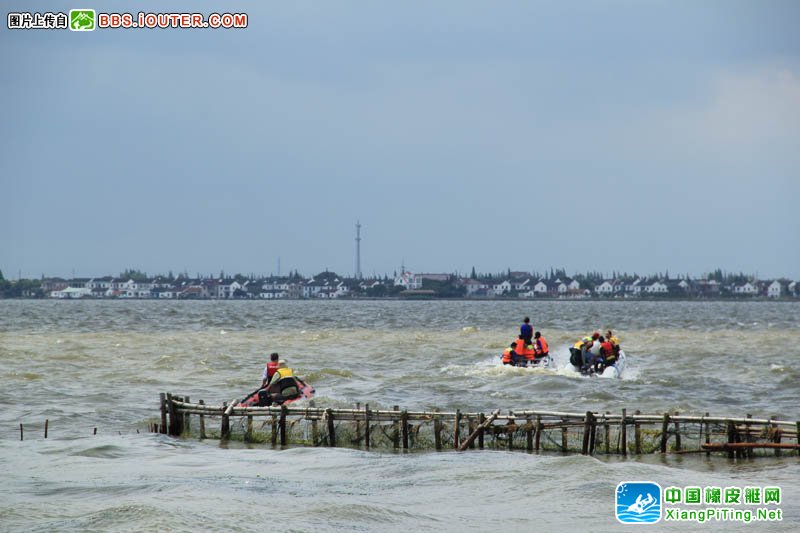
x=270 y=369
x=509 y=355
x=540 y=347
x=592 y=354
x=577 y=353
x=614 y=342
x=283 y=385
x=607 y=352
x=524 y=351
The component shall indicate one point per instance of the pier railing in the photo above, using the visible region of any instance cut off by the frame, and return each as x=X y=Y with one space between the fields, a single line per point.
x=588 y=432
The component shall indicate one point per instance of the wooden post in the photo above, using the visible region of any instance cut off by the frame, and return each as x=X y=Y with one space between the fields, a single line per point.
x=481 y=430
x=186 y=420
x=202 y=423
x=637 y=435
x=747 y=452
x=510 y=430
x=776 y=437
x=437 y=432
x=366 y=425
x=528 y=434
x=457 y=430
x=282 y=425
x=20 y=431
x=664 y=433
x=471 y=427
x=538 y=432
x=163 y=399
x=593 y=434
x=708 y=437
x=404 y=428
x=331 y=430
x=624 y=428
x=274 y=432
x=477 y=432
x=46 y=423
x=248 y=435
x=586 y=428
x=677 y=434
x=314 y=426
x=395 y=429
x=731 y=438
x=564 y=438
x=607 y=434
x=225 y=425
x=358 y=424
x=173 y=420
x=94 y=432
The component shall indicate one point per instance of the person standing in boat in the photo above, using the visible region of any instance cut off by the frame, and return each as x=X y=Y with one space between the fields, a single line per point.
x=540 y=347
x=270 y=369
x=526 y=330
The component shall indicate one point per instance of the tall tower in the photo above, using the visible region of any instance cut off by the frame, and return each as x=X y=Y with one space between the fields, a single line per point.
x=358 y=249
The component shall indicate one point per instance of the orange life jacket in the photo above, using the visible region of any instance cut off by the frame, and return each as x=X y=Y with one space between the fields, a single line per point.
x=541 y=347
x=507 y=355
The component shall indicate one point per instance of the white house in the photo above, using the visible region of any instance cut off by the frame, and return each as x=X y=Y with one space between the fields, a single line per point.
x=409 y=281
x=775 y=289
x=501 y=288
x=522 y=286
x=606 y=288
x=540 y=287
x=746 y=289
x=657 y=287
x=71 y=293
x=635 y=288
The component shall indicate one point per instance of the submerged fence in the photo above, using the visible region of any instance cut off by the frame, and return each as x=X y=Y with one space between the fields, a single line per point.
x=588 y=433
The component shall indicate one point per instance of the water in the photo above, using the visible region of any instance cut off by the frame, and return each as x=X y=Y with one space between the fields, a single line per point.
x=87 y=364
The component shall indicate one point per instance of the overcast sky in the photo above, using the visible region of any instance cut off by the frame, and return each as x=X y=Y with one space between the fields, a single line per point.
x=628 y=136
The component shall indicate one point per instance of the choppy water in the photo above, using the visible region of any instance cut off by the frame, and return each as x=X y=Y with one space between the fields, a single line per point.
x=102 y=364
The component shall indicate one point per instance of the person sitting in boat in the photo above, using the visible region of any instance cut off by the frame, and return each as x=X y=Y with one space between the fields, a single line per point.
x=283 y=385
x=592 y=355
x=510 y=356
x=607 y=352
x=577 y=353
x=525 y=352
x=614 y=342
x=526 y=330
x=540 y=347
x=270 y=369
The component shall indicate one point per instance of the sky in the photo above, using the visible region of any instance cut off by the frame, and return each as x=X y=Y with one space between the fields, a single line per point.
x=606 y=136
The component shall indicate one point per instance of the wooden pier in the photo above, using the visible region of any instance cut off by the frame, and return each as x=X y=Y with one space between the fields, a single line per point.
x=588 y=433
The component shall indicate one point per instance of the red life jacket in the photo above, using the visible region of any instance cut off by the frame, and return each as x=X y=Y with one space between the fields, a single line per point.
x=272 y=367
x=608 y=349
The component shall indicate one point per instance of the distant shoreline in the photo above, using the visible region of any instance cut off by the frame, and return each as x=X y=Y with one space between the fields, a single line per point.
x=426 y=299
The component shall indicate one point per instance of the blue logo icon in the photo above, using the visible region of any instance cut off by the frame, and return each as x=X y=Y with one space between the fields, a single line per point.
x=638 y=502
